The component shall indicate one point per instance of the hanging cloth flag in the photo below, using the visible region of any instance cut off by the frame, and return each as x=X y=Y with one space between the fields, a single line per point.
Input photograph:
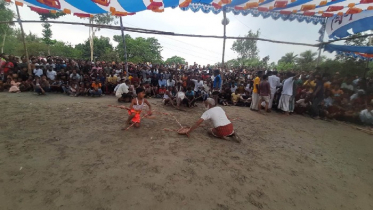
x=340 y=26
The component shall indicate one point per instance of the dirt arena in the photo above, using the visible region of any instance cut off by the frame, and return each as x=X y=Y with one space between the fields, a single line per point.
x=59 y=152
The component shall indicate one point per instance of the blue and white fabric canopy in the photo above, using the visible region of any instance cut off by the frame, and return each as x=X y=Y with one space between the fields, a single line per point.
x=357 y=52
x=347 y=48
x=314 y=11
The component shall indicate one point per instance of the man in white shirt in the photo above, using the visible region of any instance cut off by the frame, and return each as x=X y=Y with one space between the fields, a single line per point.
x=51 y=74
x=222 y=125
x=38 y=71
x=198 y=84
x=122 y=92
x=170 y=82
x=274 y=82
x=287 y=92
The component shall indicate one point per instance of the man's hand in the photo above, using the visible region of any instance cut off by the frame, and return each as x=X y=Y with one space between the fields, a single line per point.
x=150 y=113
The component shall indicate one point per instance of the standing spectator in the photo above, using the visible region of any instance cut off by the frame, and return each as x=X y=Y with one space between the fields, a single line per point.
x=274 y=82
x=255 y=96
x=287 y=92
x=264 y=92
x=318 y=96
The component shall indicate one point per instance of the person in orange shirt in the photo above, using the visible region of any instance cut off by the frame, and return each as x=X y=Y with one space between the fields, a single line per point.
x=96 y=88
x=184 y=78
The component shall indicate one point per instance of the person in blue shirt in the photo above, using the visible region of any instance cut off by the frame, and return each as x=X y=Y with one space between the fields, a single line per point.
x=190 y=96
x=217 y=80
x=162 y=82
x=216 y=86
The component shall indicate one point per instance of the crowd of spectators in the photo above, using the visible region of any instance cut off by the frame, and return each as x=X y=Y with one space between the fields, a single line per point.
x=317 y=93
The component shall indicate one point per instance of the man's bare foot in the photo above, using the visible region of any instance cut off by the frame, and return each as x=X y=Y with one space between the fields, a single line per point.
x=236 y=137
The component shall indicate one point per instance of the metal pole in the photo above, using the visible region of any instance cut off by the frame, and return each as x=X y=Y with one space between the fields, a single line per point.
x=125 y=47
x=225 y=25
x=23 y=40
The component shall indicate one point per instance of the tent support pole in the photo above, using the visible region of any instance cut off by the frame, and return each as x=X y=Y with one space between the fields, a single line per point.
x=322 y=40
x=124 y=46
x=225 y=25
x=23 y=40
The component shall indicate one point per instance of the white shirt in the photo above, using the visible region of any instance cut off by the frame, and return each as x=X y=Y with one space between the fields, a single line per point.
x=170 y=83
x=366 y=116
x=197 y=84
x=206 y=87
x=118 y=71
x=123 y=88
x=51 y=74
x=274 y=81
x=233 y=89
x=247 y=88
x=181 y=95
x=217 y=116
x=38 y=72
x=287 y=89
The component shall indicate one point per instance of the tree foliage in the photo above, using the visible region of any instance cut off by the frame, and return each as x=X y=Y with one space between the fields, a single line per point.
x=47 y=31
x=101 y=45
x=288 y=58
x=246 y=48
x=175 y=60
x=139 y=49
x=5 y=29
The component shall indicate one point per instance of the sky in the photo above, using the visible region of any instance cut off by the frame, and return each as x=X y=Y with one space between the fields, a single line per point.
x=201 y=50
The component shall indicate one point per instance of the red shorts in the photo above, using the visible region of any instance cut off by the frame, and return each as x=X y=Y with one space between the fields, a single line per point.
x=136 y=118
x=223 y=131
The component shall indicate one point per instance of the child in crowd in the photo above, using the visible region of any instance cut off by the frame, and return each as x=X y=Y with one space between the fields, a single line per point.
x=136 y=108
x=235 y=97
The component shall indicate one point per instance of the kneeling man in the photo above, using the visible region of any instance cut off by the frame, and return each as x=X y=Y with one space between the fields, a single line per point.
x=222 y=126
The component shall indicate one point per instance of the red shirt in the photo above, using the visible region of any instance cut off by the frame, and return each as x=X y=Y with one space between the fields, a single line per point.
x=7 y=66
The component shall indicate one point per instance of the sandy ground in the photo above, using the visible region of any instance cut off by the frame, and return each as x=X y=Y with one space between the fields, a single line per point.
x=59 y=152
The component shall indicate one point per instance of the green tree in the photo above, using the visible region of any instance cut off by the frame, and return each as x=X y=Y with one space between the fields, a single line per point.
x=139 y=49
x=246 y=48
x=233 y=63
x=102 y=19
x=5 y=29
x=307 y=60
x=288 y=58
x=285 y=66
x=47 y=31
x=175 y=60
x=101 y=44
x=65 y=50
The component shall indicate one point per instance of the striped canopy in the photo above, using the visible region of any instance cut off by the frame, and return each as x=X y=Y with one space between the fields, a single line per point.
x=283 y=8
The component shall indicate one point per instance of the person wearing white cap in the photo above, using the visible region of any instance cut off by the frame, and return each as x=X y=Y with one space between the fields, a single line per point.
x=222 y=125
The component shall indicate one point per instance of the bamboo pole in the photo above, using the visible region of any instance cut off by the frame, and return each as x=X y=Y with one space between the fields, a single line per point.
x=23 y=40
x=321 y=46
x=146 y=31
x=125 y=47
x=224 y=37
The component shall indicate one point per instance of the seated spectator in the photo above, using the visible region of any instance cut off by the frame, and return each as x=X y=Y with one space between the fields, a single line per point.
x=96 y=88
x=14 y=86
x=38 y=71
x=122 y=92
x=56 y=86
x=235 y=97
x=111 y=82
x=51 y=74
